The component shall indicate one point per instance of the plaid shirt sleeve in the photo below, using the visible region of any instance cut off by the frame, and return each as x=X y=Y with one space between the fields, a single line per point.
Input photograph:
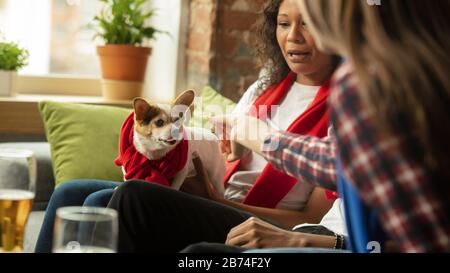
x=388 y=172
x=306 y=158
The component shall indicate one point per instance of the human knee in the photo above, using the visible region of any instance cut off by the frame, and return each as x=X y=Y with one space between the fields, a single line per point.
x=99 y=199
x=132 y=194
x=68 y=189
x=136 y=188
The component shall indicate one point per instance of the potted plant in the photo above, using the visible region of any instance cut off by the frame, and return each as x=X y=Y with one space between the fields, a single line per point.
x=12 y=58
x=123 y=27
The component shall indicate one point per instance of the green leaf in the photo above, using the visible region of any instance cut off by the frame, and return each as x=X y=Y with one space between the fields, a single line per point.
x=12 y=57
x=124 y=22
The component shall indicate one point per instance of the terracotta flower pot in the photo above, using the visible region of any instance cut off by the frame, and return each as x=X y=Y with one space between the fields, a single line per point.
x=123 y=66
x=121 y=90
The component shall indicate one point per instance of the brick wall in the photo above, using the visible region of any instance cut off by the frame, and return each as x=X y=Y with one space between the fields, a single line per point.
x=219 y=51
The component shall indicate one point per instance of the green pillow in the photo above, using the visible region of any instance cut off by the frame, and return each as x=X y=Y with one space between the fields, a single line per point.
x=211 y=103
x=83 y=140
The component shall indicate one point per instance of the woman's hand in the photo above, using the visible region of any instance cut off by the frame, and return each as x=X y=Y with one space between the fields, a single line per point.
x=249 y=132
x=222 y=128
x=255 y=233
x=240 y=134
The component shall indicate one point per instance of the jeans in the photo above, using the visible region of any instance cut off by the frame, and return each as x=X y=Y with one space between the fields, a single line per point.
x=91 y=193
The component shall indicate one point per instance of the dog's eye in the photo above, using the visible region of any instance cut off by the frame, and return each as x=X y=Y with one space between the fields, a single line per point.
x=159 y=123
x=177 y=118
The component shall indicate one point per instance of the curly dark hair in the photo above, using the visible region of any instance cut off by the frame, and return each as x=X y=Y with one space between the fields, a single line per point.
x=267 y=49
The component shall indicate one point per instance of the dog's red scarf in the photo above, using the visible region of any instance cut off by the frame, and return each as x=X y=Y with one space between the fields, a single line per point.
x=137 y=166
x=272 y=185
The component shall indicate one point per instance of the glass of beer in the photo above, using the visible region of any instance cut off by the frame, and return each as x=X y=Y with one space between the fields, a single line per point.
x=85 y=230
x=18 y=171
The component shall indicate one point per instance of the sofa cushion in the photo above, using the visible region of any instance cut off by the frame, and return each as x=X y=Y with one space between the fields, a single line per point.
x=83 y=140
x=210 y=103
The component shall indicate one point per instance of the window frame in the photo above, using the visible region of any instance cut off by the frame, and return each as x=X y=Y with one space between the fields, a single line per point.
x=85 y=85
x=53 y=84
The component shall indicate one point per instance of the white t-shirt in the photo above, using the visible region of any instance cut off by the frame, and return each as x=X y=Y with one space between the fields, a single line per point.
x=334 y=220
x=293 y=105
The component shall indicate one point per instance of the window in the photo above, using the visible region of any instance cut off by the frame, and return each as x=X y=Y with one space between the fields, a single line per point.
x=62 y=49
x=55 y=33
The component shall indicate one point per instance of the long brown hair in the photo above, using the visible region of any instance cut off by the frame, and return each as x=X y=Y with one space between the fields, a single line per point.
x=400 y=54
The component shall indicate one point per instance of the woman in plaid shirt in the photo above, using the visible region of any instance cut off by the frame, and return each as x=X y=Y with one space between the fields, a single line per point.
x=390 y=110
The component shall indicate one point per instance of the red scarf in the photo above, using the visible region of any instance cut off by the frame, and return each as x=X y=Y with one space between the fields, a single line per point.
x=272 y=185
x=137 y=166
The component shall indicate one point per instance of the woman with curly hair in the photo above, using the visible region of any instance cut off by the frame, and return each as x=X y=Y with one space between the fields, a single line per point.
x=295 y=80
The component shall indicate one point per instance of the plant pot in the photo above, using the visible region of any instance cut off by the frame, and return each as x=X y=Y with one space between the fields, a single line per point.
x=6 y=83
x=121 y=90
x=123 y=70
x=123 y=62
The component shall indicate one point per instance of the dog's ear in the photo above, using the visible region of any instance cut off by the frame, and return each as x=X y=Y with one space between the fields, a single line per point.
x=183 y=105
x=144 y=111
x=141 y=107
x=186 y=98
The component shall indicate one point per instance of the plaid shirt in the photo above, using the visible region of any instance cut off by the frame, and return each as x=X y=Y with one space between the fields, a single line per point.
x=390 y=179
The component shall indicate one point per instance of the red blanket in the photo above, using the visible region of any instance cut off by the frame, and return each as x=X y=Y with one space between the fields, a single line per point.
x=137 y=166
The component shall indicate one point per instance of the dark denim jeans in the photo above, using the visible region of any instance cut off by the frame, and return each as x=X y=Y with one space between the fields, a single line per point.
x=91 y=193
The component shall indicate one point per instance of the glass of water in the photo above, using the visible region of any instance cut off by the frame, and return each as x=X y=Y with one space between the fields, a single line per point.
x=85 y=230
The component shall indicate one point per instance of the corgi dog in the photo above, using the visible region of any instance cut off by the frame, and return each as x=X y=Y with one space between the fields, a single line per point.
x=159 y=128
